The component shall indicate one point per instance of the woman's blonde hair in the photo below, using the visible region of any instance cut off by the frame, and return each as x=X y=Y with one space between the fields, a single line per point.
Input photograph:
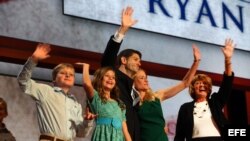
x=207 y=82
x=149 y=95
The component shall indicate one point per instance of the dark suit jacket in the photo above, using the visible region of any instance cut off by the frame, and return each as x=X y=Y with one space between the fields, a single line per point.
x=125 y=85
x=185 y=121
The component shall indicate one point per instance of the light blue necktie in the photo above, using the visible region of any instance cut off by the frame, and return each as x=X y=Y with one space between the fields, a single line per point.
x=135 y=96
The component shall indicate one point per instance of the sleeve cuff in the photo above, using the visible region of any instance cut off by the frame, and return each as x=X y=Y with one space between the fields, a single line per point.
x=118 y=37
x=225 y=75
x=30 y=64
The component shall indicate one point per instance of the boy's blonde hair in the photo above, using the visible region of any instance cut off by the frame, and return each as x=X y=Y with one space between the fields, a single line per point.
x=60 y=67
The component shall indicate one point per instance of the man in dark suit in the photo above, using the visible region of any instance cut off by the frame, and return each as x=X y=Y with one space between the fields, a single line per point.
x=129 y=62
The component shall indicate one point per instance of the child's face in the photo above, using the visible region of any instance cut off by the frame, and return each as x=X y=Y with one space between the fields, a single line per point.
x=3 y=113
x=65 y=78
x=108 y=81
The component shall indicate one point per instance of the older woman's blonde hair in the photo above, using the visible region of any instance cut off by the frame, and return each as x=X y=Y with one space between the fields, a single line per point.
x=207 y=82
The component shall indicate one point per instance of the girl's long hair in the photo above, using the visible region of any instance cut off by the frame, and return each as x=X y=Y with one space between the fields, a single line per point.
x=97 y=84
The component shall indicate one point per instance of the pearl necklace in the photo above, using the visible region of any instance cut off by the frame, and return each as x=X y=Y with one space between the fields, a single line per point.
x=200 y=109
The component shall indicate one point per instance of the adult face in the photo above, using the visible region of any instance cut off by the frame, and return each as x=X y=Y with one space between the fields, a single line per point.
x=108 y=81
x=200 y=89
x=141 y=81
x=65 y=78
x=133 y=63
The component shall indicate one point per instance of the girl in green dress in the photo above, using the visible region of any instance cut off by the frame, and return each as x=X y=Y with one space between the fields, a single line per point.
x=150 y=113
x=103 y=95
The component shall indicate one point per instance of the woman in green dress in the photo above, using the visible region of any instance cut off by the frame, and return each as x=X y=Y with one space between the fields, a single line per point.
x=150 y=113
x=103 y=95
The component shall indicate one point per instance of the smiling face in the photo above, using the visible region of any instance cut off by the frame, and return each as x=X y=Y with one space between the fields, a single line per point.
x=104 y=80
x=133 y=63
x=141 y=81
x=129 y=61
x=65 y=78
x=200 y=87
x=108 y=80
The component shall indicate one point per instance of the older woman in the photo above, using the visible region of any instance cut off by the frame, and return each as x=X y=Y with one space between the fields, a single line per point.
x=203 y=119
x=150 y=112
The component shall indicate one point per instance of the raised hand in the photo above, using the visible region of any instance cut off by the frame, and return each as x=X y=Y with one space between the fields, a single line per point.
x=41 y=52
x=127 y=21
x=87 y=83
x=228 y=49
x=82 y=64
x=196 y=53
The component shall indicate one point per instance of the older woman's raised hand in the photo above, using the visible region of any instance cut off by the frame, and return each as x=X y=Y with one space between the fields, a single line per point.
x=228 y=49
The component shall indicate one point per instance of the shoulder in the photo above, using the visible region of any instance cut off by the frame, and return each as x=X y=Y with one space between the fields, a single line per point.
x=187 y=104
x=96 y=95
x=42 y=85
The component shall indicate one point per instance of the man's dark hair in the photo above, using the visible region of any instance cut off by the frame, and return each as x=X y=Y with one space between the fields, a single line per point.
x=127 y=53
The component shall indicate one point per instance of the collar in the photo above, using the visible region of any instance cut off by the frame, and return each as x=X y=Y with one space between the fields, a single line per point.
x=69 y=95
x=135 y=96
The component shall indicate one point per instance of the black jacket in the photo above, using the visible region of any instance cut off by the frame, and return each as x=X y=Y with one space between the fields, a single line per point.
x=125 y=85
x=185 y=121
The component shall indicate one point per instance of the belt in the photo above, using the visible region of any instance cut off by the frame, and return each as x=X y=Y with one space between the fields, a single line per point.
x=115 y=122
x=51 y=138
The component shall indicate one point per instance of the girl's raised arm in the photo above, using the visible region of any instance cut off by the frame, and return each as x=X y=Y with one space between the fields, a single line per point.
x=87 y=84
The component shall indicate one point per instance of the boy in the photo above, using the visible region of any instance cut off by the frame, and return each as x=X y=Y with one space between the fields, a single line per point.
x=59 y=114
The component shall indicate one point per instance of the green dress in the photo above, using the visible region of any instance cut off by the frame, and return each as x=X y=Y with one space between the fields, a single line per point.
x=109 y=120
x=152 y=122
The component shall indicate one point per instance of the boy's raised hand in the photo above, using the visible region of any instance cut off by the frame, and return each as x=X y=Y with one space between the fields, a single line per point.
x=41 y=52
